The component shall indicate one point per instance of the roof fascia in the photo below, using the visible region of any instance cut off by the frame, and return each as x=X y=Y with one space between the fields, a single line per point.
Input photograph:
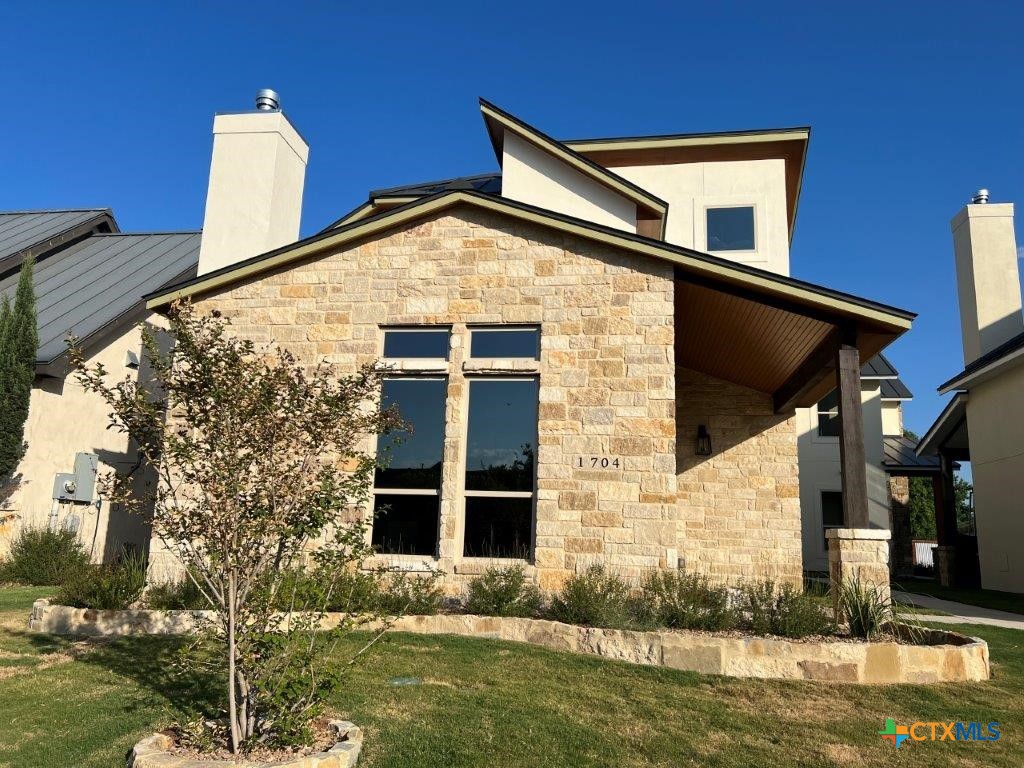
x=891 y=319
x=65 y=237
x=801 y=133
x=954 y=412
x=991 y=370
x=495 y=116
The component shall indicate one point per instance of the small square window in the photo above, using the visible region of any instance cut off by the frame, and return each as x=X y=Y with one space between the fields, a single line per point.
x=730 y=229
x=505 y=343
x=429 y=343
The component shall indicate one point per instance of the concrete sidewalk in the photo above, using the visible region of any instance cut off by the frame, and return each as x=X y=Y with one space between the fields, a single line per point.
x=961 y=613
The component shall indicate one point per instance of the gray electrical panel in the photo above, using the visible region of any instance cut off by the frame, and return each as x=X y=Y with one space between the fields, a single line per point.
x=78 y=486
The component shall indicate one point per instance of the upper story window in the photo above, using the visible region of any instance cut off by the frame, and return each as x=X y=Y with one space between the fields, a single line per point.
x=828 y=415
x=731 y=229
x=416 y=343
x=505 y=343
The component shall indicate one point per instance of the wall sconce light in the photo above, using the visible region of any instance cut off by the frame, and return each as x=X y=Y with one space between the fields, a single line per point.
x=703 y=441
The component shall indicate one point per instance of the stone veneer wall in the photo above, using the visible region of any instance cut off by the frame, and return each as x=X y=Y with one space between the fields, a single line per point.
x=901 y=561
x=606 y=371
x=739 y=507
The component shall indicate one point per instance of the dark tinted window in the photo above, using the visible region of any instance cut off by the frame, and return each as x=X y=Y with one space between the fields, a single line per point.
x=832 y=509
x=413 y=458
x=731 y=229
x=432 y=343
x=502 y=436
x=498 y=527
x=521 y=342
x=828 y=415
x=405 y=525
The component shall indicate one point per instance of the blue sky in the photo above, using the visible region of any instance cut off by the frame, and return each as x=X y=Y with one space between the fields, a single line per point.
x=913 y=106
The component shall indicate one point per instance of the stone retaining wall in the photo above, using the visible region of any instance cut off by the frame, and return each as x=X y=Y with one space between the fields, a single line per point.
x=957 y=658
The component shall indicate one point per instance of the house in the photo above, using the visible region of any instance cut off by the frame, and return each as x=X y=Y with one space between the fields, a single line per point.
x=89 y=281
x=600 y=348
x=984 y=420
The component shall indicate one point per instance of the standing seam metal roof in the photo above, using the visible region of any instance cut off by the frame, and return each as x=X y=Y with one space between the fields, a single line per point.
x=84 y=287
x=23 y=229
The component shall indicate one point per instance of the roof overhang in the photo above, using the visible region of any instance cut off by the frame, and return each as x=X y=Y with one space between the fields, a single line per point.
x=980 y=371
x=766 y=331
x=788 y=144
x=949 y=432
x=104 y=219
x=498 y=122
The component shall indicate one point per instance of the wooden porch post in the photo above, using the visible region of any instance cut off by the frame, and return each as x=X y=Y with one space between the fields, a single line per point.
x=851 y=438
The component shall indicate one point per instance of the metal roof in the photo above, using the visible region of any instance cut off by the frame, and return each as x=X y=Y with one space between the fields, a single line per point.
x=901 y=454
x=991 y=359
x=489 y=183
x=20 y=230
x=894 y=389
x=89 y=284
x=878 y=367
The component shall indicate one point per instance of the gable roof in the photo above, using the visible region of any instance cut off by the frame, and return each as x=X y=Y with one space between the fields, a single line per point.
x=894 y=389
x=882 y=316
x=900 y=457
x=498 y=121
x=1007 y=355
x=878 y=367
x=787 y=144
x=27 y=233
x=88 y=285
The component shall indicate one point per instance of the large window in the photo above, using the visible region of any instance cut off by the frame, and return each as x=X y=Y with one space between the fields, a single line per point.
x=730 y=229
x=828 y=415
x=407 y=485
x=501 y=446
x=831 y=511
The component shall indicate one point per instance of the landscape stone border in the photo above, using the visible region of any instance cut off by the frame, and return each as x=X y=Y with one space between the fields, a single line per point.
x=947 y=656
x=155 y=752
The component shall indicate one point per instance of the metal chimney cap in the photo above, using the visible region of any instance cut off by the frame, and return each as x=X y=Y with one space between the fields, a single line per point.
x=980 y=197
x=267 y=100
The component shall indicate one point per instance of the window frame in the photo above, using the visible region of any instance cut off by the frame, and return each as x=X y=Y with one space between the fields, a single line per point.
x=464 y=493
x=816 y=418
x=755 y=225
x=413 y=363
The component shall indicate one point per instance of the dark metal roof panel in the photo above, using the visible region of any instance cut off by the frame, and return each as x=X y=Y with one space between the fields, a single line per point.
x=901 y=453
x=23 y=229
x=894 y=389
x=489 y=183
x=1004 y=349
x=879 y=367
x=91 y=283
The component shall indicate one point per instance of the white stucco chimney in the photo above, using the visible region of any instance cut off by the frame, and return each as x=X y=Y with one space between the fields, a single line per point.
x=254 y=201
x=988 y=281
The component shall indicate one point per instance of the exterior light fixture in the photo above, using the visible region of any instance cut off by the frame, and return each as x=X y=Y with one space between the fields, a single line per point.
x=703 y=441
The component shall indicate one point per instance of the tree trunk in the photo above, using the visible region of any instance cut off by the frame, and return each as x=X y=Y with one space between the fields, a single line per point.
x=232 y=705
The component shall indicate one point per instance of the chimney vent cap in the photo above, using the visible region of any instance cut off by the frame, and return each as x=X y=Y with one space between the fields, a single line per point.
x=267 y=100
x=980 y=197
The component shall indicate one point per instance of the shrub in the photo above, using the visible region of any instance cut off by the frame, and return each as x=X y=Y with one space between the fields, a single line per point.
x=503 y=592
x=865 y=607
x=687 y=601
x=182 y=594
x=411 y=595
x=773 y=609
x=594 y=598
x=42 y=557
x=114 y=586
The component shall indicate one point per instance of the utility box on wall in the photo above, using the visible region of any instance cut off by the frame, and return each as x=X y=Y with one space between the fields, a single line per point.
x=78 y=486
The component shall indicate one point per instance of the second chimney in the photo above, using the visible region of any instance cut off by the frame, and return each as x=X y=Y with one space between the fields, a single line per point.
x=988 y=281
x=254 y=200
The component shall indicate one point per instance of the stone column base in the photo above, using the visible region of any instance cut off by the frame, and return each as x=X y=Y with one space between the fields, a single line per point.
x=861 y=554
x=945 y=565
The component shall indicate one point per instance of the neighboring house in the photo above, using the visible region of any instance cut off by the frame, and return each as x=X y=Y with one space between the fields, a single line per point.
x=600 y=348
x=891 y=459
x=984 y=421
x=89 y=281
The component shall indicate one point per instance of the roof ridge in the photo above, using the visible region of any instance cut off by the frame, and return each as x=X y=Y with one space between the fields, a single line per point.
x=696 y=135
x=108 y=209
x=385 y=190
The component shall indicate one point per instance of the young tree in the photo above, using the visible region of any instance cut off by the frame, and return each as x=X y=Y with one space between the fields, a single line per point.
x=19 y=340
x=260 y=469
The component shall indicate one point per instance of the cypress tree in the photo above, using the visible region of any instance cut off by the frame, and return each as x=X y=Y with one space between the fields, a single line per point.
x=19 y=339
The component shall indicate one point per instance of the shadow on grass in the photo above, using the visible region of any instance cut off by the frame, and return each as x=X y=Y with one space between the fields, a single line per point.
x=153 y=663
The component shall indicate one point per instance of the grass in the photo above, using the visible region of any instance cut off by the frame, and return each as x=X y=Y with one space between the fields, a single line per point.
x=984 y=598
x=483 y=702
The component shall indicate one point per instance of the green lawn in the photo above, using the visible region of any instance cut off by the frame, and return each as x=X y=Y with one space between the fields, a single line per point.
x=985 y=598
x=485 y=702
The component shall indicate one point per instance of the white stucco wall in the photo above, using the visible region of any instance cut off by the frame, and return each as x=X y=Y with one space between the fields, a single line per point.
x=64 y=420
x=892 y=417
x=996 y=428
x=533 y=176
x=818 y=458
x=690 y=188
